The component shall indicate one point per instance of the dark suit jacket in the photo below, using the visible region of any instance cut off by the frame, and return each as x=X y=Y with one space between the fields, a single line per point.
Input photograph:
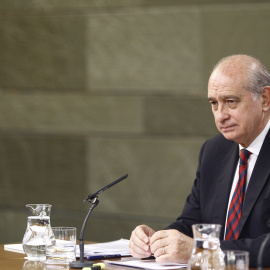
x=209 y=197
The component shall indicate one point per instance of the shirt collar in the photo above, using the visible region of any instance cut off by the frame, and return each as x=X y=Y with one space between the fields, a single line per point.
x=256 y=145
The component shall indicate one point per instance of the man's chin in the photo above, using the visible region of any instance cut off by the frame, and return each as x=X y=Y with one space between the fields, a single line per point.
x=229 y=136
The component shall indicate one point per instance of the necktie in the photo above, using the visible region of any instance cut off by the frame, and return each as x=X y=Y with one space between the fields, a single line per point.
x=235 y=209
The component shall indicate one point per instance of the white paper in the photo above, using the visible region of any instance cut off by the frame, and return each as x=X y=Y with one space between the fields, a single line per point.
x=148 y=264
x=108 y=248
x=14 y=248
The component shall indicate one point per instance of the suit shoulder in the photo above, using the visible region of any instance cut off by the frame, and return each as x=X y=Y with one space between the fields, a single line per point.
x=218 y=142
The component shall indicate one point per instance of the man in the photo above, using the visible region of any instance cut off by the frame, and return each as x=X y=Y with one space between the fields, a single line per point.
x=239 y=94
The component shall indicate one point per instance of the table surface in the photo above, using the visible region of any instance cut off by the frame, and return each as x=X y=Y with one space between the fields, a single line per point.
x=16 y=261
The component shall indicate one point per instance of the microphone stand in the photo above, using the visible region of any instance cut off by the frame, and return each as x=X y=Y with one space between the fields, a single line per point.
x=93 y=199
x=260 y=254
x=80 y=264
x=262 y=247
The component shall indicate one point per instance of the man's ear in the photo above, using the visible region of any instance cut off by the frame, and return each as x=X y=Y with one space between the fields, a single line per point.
x=266 y=98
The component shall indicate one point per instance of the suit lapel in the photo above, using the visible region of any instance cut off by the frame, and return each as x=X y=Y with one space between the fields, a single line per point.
x=258 y=179
x=228 y=163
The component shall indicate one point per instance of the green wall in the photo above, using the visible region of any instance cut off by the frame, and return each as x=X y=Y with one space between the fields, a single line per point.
x=92 y=90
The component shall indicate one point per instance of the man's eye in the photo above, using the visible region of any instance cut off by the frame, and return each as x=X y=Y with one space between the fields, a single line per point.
x=231 y=103
x=213 y=103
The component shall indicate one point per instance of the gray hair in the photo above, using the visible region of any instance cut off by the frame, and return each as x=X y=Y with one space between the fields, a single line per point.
x=257 y=75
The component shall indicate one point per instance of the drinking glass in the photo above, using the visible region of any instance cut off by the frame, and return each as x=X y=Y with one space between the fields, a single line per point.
x=236 y=259
x=61 y=248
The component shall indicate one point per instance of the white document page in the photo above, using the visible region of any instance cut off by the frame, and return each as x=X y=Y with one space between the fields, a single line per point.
x=120 y=246
x=148 y=264
x=14 y=248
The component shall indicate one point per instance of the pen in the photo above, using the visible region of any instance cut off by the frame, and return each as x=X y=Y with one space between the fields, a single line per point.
x=96 y=266
x=102 y=257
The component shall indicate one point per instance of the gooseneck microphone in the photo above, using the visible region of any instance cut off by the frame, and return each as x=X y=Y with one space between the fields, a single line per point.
x=93 y=199
x=92 y=196
x=262 y=248
x=261 y=251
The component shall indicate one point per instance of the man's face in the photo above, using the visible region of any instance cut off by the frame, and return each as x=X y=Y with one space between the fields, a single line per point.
x=238 y=115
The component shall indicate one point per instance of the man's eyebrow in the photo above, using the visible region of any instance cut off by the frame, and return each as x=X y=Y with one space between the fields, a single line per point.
x=231 y=96
x=211 y=99
x=224 y=97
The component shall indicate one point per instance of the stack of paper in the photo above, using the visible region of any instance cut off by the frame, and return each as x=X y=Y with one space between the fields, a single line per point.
x=148 y=264
x=14 y=248
x=109 y=248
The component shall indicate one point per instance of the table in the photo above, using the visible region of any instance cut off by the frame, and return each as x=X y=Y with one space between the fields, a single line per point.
x=11 y=260
x=15 y=261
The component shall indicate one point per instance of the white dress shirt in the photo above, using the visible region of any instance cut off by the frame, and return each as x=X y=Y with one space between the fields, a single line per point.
x=254 y=148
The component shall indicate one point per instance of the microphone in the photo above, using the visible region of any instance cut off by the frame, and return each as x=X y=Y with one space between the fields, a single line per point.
x=93 y=198
x=261 y=250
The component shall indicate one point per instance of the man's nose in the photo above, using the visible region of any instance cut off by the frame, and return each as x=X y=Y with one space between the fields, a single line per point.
x=222 y=113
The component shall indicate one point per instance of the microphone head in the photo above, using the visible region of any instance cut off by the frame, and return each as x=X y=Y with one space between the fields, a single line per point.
x=94 y=195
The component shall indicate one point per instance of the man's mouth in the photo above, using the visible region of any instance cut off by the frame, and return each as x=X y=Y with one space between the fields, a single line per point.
x=227 y=128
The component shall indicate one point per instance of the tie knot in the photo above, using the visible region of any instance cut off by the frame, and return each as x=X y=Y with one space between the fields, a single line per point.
x=244 y=155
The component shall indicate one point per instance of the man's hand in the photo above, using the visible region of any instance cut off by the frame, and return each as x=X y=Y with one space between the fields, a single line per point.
x=140 y=241
x=171 y=246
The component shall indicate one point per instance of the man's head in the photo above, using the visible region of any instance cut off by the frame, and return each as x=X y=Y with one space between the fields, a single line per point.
x=239 y=93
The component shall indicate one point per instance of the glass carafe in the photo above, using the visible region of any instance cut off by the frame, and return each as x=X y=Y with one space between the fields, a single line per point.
x=37 y=231
x=206 y=253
